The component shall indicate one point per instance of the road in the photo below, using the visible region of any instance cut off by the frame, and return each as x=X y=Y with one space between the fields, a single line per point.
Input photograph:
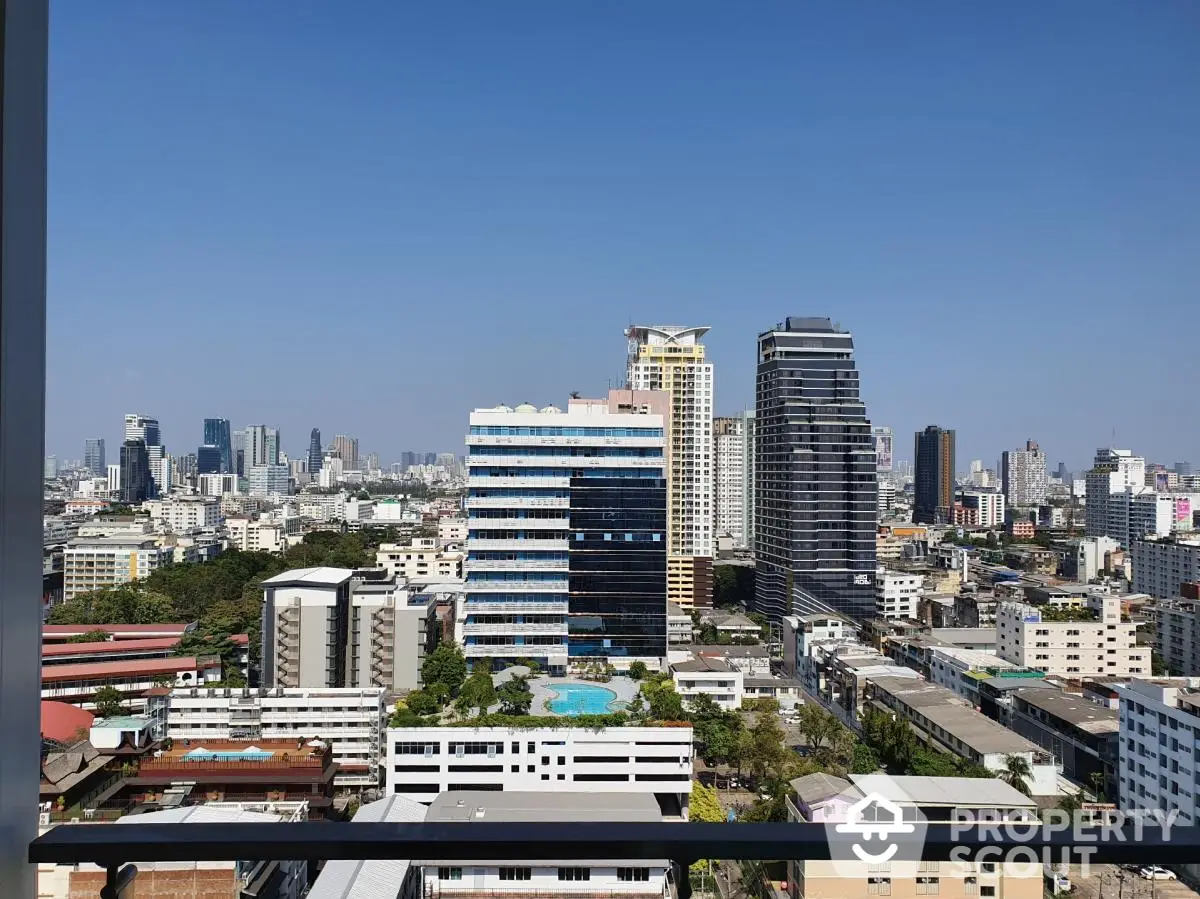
x=1113 y=882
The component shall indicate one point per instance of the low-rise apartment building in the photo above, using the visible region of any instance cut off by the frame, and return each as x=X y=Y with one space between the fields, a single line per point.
x=94 y=563
x=711 y=677
x=945 y=722
x=352 y=721
x=1071 y=642
x=185 y=513
x=823 y=799
x=980 y=508
x=250 y=534
x=1162 y=566
x=562 y=878
x=1083 y=736
x=1177 y=633
x=422 y=559
x=679 y=626
x=897 y=594
x=657 y=761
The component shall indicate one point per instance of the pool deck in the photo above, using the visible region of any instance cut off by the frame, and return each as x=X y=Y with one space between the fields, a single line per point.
x=543 y=689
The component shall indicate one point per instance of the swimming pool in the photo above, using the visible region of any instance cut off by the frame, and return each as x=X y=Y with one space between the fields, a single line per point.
x=581 y=699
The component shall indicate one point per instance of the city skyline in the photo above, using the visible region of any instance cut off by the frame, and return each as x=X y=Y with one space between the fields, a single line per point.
x=919 y=193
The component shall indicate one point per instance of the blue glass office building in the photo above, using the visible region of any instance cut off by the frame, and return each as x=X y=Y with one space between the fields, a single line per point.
x=217 y=433
x=566 y=549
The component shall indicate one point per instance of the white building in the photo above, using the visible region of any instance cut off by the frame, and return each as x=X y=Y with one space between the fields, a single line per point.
x=897 y=594
x=1159 y=764
x=185 y=513
x=389 y=635
x=1071 y=642
x=1091 y=557
x=951 y=667
x=561 y=878
x=420 y=559
x=672 y=359
x=268 y=480
x=1160 y=566
x=425 y=761
x=733 y=493
x=451 y=530
x=887 y=498
x=352 y=721
x=1177 y=635
x=711 y=677
x=1023 y=475
x=114 y=479
x=218 y=485
x=679 y=625
x=1119 y=504
x=981 y=507
x=254 y=535
x=535 y=498
x=92 y=563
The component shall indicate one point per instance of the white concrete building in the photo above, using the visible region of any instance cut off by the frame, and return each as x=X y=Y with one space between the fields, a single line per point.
x=351 y=721
x=185 y=513
x=733 y=491
x=679 y=626
x=303 y=612
x=218 y=485
x=268 y=480
x=421 y=559
x=711 y=677
x=536 y=500
x=951 y=667
x=1023 y=476
x=897 y=594
x=1159 y=765
x=92 y=563
x=981 y=507
x=1160 y=566
x=425 y=761
x=254 y=535
x=1119 y=504
x=1177 y=635
x=1081 y=642
x=451 y=530
x=560 y=878
x=672 y=359
x=1091 y=557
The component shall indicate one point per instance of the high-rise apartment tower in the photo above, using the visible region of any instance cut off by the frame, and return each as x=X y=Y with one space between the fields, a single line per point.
x=315 y=456
x=733 y=491
x=1023 y=476
x=934 y=484
x=671 y=359
x=815 y=489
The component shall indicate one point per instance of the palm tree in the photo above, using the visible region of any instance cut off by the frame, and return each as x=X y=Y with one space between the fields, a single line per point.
x=1017 y=772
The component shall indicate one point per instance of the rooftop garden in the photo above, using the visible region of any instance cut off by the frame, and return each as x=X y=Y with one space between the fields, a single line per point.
x=1067 y=613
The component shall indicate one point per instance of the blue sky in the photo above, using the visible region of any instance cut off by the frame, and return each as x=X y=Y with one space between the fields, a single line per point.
x=373 y=217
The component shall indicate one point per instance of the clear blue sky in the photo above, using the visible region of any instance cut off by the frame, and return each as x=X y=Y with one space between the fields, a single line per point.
x=374 y=216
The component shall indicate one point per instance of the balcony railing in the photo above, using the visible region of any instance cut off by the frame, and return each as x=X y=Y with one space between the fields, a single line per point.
x=113 y=845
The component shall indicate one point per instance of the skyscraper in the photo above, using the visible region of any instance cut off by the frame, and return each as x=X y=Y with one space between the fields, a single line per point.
x=815 y=487
x=933 y=498
x=93 y=457
x=216 y=433
x=584 y=573
x=136 y=486
x=345 y=448
x=671 y=358
x=262 y=446
x=733 y=493
x=407 y=459
x=883 y=452
x=315 y=455
x=239 y=453
x=208 y=460
x=1023 y=476
x=143 y=428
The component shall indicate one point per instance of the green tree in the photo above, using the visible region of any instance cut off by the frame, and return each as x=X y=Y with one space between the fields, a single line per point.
x=515 y=696
x=662 y=702
x=446 y=665
x=1096 y=779
x=478 y=692
x=767 y=737
x=405 y=717
x=638 y=670
x=109 y=702
x=421 y=702
x=1070 y=803
x=863 y=760
x=89 y=637
x=817 y=724
x=704 y=805
x=126 y=604
x=1017 y=773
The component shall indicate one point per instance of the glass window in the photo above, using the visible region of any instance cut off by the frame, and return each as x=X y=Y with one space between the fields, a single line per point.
x=449 y=873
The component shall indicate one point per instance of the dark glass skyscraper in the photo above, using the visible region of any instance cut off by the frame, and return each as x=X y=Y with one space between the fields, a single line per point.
x=208 y=460
x=315 y=457
x=618 y=567
x=93 y=457
x=933 y=487
x=217 y=433
x=136 y=485
x=815 y=493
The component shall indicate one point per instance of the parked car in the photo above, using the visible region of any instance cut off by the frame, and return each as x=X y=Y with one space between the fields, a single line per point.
x=1154 y=872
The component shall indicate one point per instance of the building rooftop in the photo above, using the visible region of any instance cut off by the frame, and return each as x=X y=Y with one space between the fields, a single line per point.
x=974 y=658
x=946 y=711
x=327 y=577
x=958 y=792
x=109 y=646
x=374 y=878
x=703 y=663
x=61 y=721
x=63 y=631
x=138 y=539
x=103 y=670
x=1075 y=710
x=959 y=635
x=813 y=788
x=516 y=805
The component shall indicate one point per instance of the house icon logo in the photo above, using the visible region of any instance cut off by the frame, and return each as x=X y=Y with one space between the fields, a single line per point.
x=874 y=816
x=868 y=823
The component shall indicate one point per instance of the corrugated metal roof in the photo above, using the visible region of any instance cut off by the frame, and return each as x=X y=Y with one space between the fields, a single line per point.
x=376 y=878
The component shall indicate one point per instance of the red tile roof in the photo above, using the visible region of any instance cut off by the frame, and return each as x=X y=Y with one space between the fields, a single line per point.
x=114 y=646
x=63 y=631
x=61 y=721
x=119 y=669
